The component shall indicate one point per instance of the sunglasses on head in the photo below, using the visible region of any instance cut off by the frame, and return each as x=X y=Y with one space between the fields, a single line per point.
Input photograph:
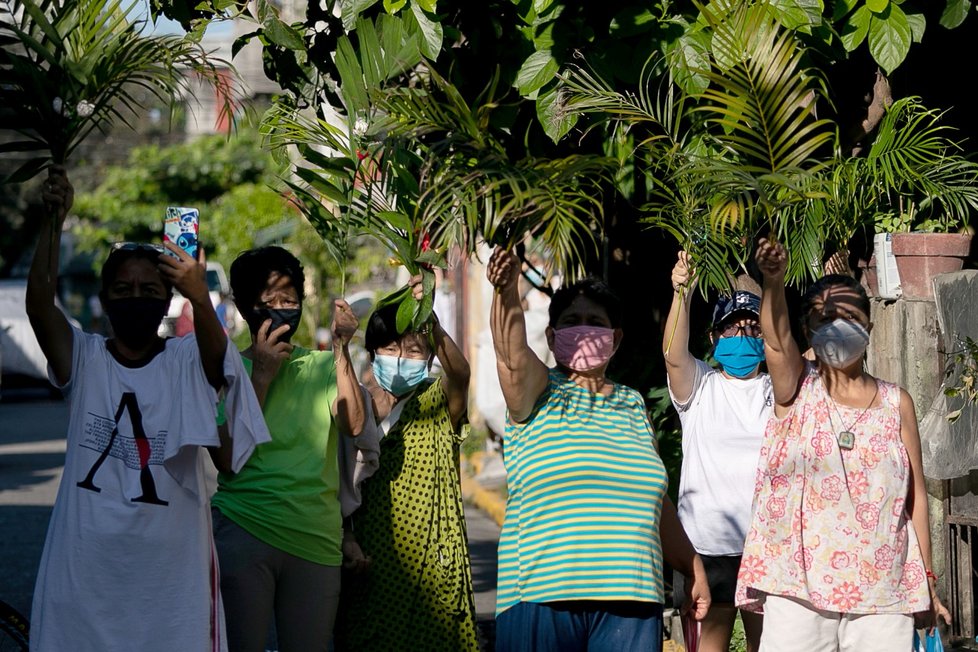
x=138 y=246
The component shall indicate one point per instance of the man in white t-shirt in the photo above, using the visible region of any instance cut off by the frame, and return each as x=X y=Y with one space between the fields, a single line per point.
x=723 y=412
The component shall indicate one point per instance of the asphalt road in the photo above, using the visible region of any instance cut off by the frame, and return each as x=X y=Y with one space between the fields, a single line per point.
x=32 y=447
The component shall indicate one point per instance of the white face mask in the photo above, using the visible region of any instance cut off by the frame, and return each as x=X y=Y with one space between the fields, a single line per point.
x=840 y=342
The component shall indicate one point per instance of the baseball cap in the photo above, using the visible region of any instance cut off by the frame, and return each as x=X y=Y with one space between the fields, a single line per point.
x=739 y=301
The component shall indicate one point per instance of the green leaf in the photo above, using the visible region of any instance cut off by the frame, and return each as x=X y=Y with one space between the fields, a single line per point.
x=842 y=8
x=538 y=69
x=394 y=6
x=406 y=311
x=856 y=28
x=428 y=5
x=918 y=24
x=689 y=61
x=432 y=257
x=393 y=297
x=633 y=20
x=799 y=15
x=432 y=32
x=281 y=34
x=397 y=220
x=889 y=38
x=28 y=170
x=22 y=146
x=877 y=6
x=556 y=121
x=954 y=13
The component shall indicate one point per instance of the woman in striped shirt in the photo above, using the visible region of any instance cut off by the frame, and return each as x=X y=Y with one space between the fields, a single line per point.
x=587 y=521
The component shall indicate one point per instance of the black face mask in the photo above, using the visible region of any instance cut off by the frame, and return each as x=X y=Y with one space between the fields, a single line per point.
x=135 y=320
x=290 y=316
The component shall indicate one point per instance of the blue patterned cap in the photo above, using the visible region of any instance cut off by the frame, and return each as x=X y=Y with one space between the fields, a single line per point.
x=739 y=301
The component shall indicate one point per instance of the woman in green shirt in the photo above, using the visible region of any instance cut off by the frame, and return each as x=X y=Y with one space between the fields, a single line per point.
x=277 y=521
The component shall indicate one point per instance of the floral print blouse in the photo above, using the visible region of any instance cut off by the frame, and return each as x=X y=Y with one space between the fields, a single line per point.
x=830 y=526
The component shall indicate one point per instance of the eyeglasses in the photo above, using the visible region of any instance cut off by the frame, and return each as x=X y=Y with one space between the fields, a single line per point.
x=138 y=246
x=733 y=329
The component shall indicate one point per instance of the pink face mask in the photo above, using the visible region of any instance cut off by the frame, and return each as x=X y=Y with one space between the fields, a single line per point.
x=583 y=348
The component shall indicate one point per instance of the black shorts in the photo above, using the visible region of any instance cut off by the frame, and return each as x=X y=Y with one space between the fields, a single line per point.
x=721 y=574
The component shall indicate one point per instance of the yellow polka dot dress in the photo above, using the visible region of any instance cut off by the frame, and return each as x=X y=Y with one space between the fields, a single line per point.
x=417 y=594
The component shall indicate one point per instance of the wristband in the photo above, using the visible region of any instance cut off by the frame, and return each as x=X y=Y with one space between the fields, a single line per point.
x=930 y=574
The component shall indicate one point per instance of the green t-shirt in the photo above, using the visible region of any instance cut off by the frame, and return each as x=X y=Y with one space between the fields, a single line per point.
x=286 y=493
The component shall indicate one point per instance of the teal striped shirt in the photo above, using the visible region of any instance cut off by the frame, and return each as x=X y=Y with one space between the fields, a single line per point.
x=585 y=497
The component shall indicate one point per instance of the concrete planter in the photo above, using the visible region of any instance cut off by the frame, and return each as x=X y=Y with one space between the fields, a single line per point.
x=920 y=257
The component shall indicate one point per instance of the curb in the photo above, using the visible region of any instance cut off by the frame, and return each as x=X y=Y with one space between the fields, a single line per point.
x=488 y=501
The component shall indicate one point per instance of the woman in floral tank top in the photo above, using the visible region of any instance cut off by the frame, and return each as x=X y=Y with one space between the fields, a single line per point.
x=838 y=551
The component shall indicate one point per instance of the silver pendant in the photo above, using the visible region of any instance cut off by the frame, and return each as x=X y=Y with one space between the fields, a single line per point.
x=846 y=440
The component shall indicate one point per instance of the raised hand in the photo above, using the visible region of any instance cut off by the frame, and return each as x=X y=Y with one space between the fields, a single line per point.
x=57 y=193
x=682 y=276
x=417 y=289
x=345 y=323
x=503 y=270
x=186 y=274
x=771 y=259
x=268 y=353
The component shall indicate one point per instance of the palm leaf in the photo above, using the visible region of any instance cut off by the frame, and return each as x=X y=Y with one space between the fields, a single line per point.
x=75 y=63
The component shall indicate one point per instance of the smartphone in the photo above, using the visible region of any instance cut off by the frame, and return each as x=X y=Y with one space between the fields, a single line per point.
x=180 y=227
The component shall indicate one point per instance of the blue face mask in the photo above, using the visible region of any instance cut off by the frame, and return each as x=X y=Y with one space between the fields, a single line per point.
x=740 y=355
x=399 y=375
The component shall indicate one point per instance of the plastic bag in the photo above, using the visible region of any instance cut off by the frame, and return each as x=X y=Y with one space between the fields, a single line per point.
x=931 y=643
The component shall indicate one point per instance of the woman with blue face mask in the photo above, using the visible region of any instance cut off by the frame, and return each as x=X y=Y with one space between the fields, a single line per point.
x=723 y=412
x=416 y=592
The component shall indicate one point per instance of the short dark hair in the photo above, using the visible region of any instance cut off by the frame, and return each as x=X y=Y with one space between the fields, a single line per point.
x=593 y=289
x=833 y=280
x=251 y=269
x=381 y=329
x=118 y=257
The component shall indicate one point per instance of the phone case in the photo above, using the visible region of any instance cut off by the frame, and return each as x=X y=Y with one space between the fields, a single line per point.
x=180 y=227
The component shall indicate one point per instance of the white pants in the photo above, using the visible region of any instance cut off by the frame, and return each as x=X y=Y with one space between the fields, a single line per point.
x=792 y=625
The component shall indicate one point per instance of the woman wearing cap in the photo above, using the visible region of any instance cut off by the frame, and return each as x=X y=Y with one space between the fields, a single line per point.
x=588 y=522
x=838 y=551
x=723 y=413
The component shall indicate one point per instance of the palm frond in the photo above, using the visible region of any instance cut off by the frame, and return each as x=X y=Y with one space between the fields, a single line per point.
x=73 y=65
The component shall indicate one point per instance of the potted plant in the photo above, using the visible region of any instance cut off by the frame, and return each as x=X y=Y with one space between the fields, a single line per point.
x=917 y=186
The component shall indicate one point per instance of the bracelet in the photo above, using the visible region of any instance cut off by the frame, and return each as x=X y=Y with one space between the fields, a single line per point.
x=930 y=574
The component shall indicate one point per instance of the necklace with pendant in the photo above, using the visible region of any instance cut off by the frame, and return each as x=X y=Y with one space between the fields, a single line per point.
x=847 y=438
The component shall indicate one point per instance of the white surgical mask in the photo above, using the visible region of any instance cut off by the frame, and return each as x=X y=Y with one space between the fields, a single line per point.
x=840 y=343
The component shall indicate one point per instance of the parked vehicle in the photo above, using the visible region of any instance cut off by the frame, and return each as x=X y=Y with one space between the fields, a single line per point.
x=20 y=354
x=220 y=293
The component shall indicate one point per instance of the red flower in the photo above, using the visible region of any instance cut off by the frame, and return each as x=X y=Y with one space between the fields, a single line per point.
x=752 y=569
x=846 y=597
x=868 y=516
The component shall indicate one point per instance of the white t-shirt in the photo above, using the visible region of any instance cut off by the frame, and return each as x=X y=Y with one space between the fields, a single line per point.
x=128 y=562
x=723 y=423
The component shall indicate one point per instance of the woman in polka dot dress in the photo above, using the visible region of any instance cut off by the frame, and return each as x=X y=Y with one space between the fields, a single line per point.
x=416 y=590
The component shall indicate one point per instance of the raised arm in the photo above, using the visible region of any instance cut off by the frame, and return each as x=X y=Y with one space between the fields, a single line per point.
x=349 y=407
x=784 y=361
x=190 y=277
x=680 y=364
x=50 y=325
x=455 y=382
x=522 y=376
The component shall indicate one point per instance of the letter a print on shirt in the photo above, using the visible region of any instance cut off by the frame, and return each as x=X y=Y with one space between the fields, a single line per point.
x=129 y=404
